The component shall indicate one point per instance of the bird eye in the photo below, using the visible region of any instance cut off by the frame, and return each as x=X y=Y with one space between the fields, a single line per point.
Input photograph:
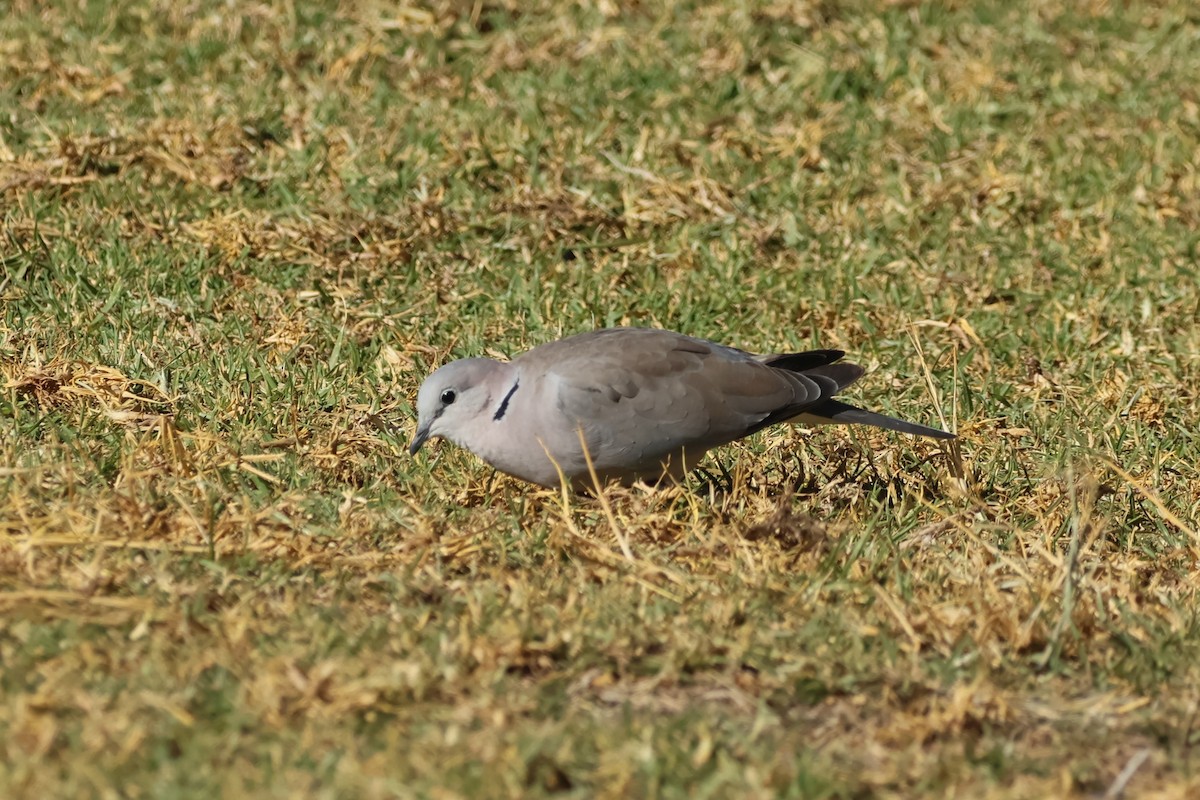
x=448 y=397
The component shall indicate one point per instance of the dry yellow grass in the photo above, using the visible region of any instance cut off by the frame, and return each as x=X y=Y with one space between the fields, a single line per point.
x=237 y=236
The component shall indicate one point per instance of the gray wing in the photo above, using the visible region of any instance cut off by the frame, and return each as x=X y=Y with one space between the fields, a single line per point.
x=642 y=394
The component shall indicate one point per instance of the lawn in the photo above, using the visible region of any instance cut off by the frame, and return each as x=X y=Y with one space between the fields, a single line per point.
x=236 y=236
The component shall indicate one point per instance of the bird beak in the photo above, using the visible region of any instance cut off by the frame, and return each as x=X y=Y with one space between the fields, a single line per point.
x=418 y=440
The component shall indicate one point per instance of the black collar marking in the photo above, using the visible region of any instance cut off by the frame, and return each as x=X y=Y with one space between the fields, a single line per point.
x=499 y=415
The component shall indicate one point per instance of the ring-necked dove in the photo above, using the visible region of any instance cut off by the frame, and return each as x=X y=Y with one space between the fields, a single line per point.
x=646 y=404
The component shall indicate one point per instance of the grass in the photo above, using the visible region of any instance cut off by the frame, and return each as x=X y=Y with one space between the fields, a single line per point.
x=237 y=236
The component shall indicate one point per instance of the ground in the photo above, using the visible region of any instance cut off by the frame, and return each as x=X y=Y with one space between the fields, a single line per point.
x=236 y=236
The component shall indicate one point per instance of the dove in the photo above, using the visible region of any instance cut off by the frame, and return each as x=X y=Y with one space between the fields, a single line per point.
x=639 y=404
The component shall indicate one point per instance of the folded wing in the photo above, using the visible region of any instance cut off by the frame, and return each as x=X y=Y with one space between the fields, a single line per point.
x=641 y=395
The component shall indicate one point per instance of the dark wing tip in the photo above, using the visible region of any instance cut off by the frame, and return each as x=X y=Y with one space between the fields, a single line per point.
x=842 y=374
x=799 y=362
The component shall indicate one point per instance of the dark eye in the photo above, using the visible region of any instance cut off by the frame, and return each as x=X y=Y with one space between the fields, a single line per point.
x=448 y=397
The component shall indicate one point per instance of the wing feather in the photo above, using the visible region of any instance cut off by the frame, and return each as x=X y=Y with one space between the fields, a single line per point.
x=652 y=392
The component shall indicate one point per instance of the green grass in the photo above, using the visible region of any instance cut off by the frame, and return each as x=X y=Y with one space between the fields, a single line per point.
x=237 y=236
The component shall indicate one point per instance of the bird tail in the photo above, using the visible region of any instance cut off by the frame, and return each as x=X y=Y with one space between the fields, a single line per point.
x=835 y=411
x=819 y=365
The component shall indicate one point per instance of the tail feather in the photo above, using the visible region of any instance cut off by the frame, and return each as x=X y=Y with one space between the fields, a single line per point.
x=819 y=365
x=837 y=411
